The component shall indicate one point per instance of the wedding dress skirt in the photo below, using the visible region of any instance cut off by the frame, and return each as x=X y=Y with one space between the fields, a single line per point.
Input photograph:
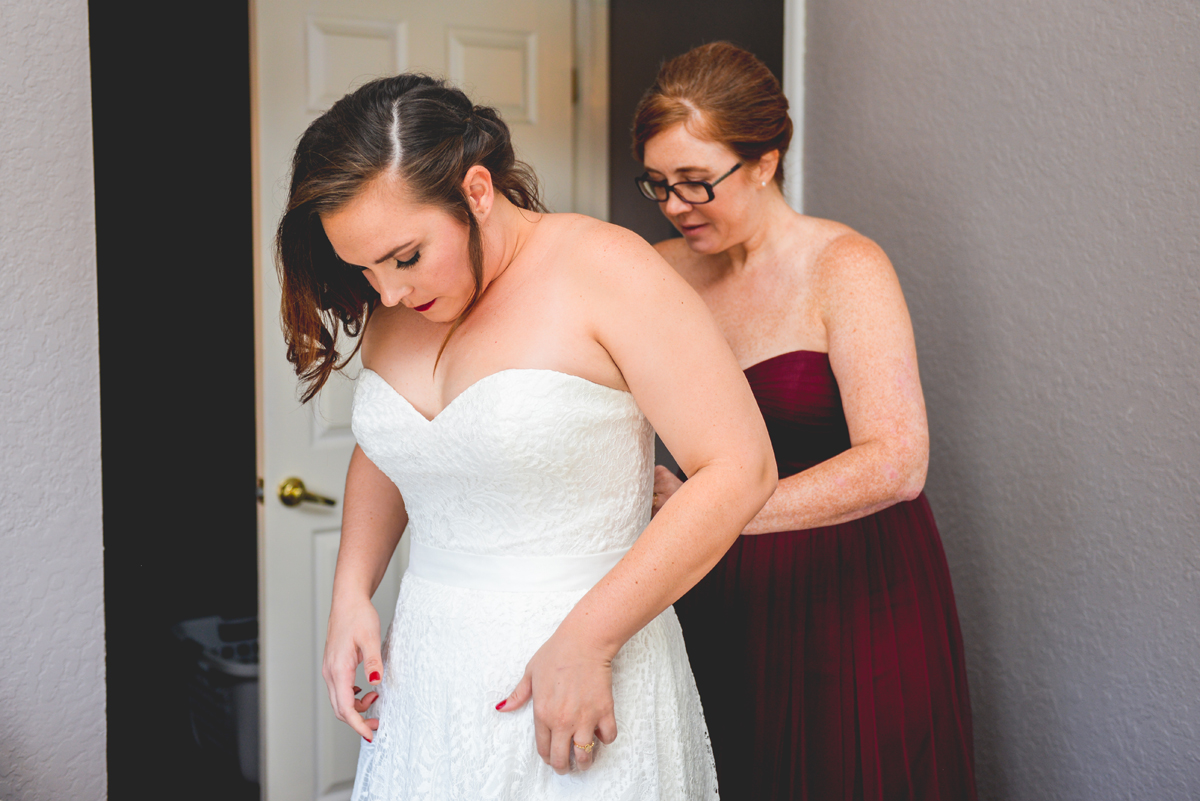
x=521 y=494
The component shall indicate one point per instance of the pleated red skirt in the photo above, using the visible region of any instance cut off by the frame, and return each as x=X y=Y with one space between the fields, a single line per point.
x=830 y=661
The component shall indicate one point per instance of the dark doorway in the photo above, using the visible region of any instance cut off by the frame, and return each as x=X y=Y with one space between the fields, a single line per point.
x=171 y=122
x=643 y=34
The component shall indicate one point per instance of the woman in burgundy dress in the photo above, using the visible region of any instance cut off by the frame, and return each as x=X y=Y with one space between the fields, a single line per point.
x=825 y=644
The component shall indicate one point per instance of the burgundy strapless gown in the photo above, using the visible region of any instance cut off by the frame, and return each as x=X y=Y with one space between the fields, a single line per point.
x=830 y=661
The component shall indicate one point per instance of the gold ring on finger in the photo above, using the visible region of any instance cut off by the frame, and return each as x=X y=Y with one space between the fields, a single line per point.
x=587 y=749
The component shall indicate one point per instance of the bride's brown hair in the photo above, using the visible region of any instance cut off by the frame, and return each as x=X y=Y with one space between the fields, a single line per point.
x=723 y=93
x=415 y=127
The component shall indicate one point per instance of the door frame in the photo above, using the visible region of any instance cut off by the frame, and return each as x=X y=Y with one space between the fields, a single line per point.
x=590 y=142
x=590 y=191
x=589 y=196
x=794 y=39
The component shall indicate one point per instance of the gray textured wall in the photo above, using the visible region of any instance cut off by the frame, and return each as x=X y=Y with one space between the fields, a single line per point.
x=1033 y=170
x=52 y=726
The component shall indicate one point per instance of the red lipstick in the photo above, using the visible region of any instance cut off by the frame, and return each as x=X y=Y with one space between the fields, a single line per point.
x=424 y=307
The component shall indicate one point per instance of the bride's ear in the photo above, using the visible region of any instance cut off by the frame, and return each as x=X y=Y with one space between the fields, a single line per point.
x=478 y=189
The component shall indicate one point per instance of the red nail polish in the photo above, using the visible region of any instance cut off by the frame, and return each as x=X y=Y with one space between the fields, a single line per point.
x=374 y=677
x=501 y=704
x=366 y=740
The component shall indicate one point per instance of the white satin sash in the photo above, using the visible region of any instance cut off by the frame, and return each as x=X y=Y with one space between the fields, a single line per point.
x=475 y=571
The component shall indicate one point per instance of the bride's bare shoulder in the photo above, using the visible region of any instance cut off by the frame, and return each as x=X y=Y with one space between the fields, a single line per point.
x=676 y=252
x=694 y=267
x=595 y=248
x=589 y=230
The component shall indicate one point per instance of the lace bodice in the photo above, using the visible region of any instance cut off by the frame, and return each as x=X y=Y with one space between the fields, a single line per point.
x=521 y=495
x=548 y=463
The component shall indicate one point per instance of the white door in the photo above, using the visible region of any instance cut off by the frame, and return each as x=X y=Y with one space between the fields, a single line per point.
x=516 y=55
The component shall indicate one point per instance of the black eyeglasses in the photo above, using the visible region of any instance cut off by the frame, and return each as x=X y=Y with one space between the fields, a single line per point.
x=694 y=193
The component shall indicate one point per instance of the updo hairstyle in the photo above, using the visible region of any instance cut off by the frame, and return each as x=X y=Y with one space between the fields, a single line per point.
x=723 y=93
x=412 y=126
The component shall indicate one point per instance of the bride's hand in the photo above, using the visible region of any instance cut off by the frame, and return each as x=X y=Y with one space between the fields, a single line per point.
x=571 y=688
x=353 y=637
x=665 y=485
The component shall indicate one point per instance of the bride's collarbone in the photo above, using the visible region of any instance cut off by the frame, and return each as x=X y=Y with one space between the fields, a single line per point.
x=467 y=362
x=431 y=399
x=531 y=330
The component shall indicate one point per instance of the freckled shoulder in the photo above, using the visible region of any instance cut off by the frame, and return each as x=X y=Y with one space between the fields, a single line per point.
x=674 y=250
x=602 y=251
x=852 y=268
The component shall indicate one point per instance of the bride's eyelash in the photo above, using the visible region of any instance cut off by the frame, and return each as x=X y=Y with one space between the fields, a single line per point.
x=415 y=258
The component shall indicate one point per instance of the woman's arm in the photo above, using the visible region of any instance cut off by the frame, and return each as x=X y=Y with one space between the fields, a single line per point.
x=667 y=347
x=373 y=518
x=874 y=358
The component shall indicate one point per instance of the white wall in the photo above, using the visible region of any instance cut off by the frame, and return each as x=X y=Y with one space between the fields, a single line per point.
x=1033 y=170
x=52 y=724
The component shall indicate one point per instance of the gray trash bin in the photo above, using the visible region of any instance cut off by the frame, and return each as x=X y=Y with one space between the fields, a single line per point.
x=222 y=690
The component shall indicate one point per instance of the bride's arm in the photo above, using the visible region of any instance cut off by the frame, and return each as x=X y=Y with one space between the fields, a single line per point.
x=373 y=518
x=684 y=377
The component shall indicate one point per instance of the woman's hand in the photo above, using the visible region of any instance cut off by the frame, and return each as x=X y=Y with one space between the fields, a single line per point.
x=571 y=688
x=665 y=485
x=353 y=637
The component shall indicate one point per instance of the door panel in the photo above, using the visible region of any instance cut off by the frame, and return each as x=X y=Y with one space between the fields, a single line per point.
x=516 y=55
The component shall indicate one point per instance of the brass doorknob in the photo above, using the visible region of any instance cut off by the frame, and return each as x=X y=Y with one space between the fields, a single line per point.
x=293 y=493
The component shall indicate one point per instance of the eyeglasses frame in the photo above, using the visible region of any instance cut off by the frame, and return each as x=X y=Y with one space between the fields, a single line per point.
x=708 y=187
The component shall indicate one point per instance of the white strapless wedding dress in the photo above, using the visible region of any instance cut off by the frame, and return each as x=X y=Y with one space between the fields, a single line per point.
x=521 y=494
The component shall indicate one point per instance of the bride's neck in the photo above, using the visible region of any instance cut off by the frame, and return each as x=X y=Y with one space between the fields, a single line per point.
x=505 y=235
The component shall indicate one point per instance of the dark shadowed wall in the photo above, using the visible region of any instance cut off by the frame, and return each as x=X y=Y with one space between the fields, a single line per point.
x=1033 y=170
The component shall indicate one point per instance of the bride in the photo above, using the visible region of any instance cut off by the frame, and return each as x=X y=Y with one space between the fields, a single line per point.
x=514 y=362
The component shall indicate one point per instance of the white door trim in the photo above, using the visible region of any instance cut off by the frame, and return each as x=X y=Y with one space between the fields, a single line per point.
x=794 y=27
x=591 y=108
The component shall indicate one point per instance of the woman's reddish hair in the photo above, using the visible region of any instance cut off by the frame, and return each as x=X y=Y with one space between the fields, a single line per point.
x=722 y=93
